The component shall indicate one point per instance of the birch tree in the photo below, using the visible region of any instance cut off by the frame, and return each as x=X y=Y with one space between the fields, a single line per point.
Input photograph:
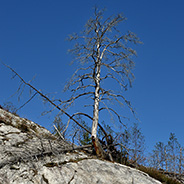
x=103 y=55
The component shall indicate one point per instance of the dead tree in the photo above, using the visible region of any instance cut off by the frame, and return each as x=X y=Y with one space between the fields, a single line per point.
x=24 y=83
x=103 y=55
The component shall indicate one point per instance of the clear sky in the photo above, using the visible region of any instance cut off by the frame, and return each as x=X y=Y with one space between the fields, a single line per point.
x=32 y=41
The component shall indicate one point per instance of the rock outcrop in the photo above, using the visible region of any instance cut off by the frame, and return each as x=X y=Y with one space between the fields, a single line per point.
x=30 y=154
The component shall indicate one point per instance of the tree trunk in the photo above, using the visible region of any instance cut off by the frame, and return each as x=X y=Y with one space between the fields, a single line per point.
x=98 y=148
x=166 y=159
x=96 y=143
x=97 y=70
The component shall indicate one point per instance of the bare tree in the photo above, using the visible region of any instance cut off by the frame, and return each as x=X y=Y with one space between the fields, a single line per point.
x=168 y=157
x=173 y=151
x=103 y=55
x=160 y=156
x=137 y=145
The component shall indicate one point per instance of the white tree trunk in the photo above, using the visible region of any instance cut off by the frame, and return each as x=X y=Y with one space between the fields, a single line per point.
x=96 y=104
x=97 y=70
x=96 y=76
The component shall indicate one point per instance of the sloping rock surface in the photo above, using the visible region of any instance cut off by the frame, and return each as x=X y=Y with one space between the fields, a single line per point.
x=30 y=154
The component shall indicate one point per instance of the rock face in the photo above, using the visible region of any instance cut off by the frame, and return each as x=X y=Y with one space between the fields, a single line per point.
x=30 y=154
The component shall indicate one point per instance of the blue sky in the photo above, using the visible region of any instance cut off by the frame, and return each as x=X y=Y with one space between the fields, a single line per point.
x=33 y=42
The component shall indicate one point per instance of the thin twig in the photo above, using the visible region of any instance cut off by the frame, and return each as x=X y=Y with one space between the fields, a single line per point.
x=59 y=132
x=27 y=102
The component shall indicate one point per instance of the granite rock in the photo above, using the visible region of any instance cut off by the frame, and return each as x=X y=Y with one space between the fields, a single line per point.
x=30 y=154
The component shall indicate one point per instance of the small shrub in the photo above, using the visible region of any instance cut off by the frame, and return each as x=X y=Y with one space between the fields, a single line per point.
x=8 y=106
x=23 y=127
x=158 y=176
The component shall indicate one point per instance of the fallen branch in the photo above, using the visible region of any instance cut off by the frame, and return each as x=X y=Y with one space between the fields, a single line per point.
x=59 y=132
x=45 y=97
x=37 y=155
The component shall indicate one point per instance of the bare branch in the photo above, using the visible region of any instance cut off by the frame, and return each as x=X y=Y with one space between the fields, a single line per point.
x=73 y=98
x=111 y=76
x=82 y=87
x=84 y=114
x=27 y=101
x=58 y=132
x=112 y=23
x=119 y=117
x=45 y=97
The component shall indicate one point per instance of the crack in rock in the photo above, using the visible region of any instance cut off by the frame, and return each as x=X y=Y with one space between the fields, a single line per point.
x=45 y=179
x=72 y=177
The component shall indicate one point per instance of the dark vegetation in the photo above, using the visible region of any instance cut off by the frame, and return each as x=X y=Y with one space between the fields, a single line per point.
x=9 y=106
x=154 y=173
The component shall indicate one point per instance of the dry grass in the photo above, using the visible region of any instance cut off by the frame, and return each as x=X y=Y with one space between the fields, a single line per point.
x=157 y=175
